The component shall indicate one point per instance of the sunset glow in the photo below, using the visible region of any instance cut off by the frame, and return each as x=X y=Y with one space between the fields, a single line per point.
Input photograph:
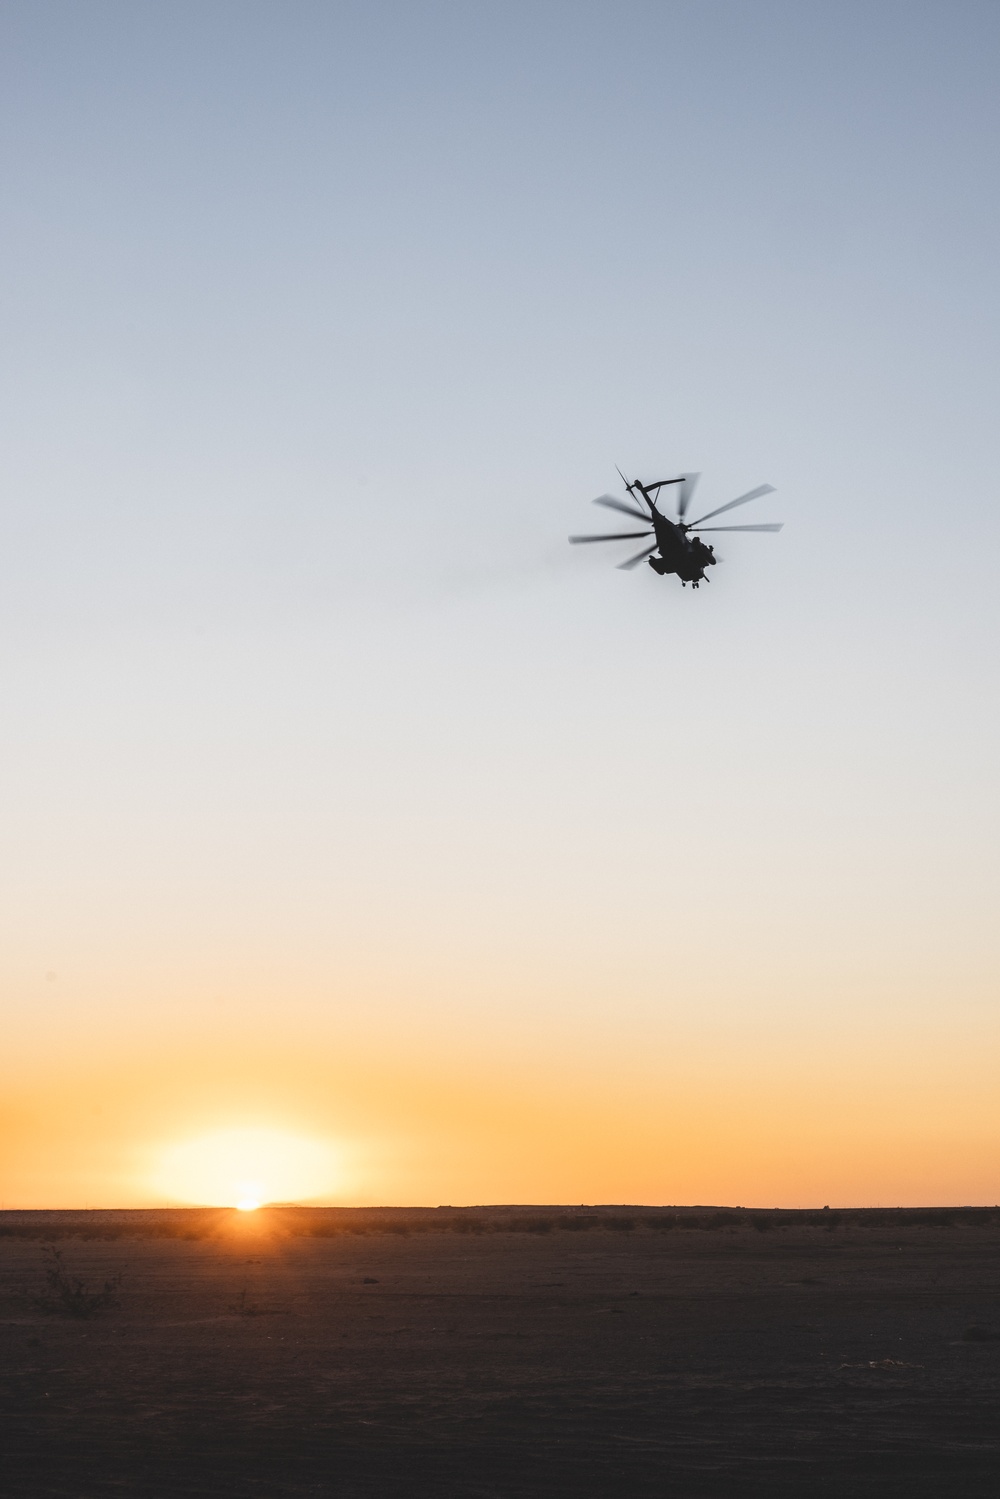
x=244 y=1168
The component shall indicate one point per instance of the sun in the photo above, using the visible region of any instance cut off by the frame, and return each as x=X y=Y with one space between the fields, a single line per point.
x=246 y=1168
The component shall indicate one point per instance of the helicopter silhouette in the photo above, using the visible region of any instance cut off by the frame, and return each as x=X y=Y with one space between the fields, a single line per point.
x=680 y=550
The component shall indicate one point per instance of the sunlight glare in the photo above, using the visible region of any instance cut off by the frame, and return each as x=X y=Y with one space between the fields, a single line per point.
x=244 y=1168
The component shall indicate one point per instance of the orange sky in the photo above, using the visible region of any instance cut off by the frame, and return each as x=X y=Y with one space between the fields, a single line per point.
x=639 y=1108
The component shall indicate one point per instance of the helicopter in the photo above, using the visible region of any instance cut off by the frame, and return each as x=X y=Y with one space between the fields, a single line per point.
x=680 y=551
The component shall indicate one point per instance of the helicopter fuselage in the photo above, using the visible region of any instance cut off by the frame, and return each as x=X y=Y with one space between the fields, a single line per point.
x=685 y=555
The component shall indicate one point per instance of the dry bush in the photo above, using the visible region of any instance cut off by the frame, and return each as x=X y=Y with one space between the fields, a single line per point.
x=66 y=1295
x=241 y=1307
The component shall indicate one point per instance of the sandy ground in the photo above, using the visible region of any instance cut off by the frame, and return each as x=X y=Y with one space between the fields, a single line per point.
x=800 y=1361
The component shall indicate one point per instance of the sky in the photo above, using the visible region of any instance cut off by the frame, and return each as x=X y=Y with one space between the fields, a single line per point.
x=360 y=840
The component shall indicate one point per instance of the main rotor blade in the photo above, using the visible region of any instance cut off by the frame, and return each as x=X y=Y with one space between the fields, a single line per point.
x=754 y=494
x=771 y=526
x=688 y=482
x=633 y=561
x=617 y=536
x=611 y=503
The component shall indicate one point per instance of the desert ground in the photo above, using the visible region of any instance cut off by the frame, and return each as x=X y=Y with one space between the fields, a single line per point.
x=501 y=1352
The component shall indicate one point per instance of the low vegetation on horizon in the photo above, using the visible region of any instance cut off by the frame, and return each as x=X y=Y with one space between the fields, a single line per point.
x=320 y=1222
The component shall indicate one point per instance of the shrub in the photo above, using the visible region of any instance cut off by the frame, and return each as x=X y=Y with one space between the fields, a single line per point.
x=66 y=1295
x=241 y=1307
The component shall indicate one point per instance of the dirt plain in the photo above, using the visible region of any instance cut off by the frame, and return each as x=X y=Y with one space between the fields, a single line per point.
x=504 y=1352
